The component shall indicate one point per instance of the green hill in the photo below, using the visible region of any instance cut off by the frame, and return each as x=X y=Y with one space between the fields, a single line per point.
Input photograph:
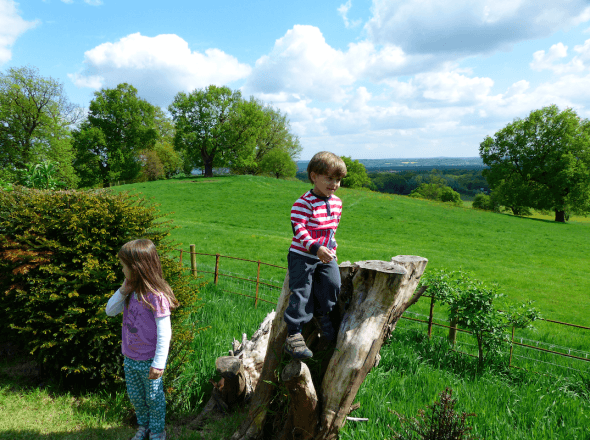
x=248 y=217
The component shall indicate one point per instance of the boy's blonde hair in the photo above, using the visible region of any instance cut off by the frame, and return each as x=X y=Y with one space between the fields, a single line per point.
x=327 y=164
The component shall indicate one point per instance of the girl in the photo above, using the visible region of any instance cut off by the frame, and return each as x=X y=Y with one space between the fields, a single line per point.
x=145 y=299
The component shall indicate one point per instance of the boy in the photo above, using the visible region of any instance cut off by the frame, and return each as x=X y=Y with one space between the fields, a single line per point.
x=314 y=277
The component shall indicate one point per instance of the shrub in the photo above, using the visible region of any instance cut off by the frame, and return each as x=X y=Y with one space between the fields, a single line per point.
x=59 y=267
x=439 y=422
x=437 y=191
x=485 y=202
x=471 y=306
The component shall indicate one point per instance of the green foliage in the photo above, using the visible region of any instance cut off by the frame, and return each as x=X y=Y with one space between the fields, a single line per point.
x=274 y=135
x=41 y=176
x=171 y=160
x=59 y=267
x=485 y=203
x=216 y=127
x=471 y=306
x=35 y=122
x=119 y=125
x=541 y=162
x=278 y=163
x=437 y=191
x=439 y=422
x=356 y=176
x=151 y=166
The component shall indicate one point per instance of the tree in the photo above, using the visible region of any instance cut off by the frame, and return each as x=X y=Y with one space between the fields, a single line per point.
x=215 y=127
x=471 y=306
x=279 y=163
x=541 y=162
x=356 y=176
x=35 y=121
x=275 y=133
x=108 y=143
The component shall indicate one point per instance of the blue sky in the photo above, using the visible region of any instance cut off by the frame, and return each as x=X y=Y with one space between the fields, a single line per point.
x=366 y=79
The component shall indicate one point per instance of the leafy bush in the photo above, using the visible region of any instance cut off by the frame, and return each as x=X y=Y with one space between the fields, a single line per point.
x=441 y=422
x=485 y=202
x=471 y=306
x=41 y=176
x=437 y=191
x=59 y=267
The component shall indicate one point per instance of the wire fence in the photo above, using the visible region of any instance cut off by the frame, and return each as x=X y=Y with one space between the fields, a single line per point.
x=266 y=286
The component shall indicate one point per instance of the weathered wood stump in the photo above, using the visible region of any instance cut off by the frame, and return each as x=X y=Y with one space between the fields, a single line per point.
x=373 y=297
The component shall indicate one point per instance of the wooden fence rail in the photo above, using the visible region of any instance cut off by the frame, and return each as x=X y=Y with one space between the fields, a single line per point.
x=430 y=321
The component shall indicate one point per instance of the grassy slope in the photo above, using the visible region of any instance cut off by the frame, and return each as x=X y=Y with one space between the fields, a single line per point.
x=247 y=217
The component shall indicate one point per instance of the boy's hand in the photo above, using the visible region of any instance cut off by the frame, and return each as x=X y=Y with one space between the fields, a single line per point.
x=325 y=255
x=155 y=373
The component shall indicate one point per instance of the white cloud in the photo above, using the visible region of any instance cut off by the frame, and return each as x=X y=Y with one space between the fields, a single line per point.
x=452 y=87
x=93 y=2
x=12 y=26
x=466 y=27
x=159 y=67
x=547 y=61
x=343 y=11
x=302 y=62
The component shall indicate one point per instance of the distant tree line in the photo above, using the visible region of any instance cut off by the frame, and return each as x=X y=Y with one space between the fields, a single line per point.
x=125 y=138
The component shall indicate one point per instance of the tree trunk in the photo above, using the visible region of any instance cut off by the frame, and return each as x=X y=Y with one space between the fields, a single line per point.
x=208 y=164
x=560 y=216
x=373 y=297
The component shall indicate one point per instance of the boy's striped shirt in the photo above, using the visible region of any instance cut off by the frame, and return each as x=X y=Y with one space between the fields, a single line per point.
x=314 y=220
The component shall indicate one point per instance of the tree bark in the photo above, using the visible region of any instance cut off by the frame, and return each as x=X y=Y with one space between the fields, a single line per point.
x=303 y=413
x=560 y=216
x=374 y=295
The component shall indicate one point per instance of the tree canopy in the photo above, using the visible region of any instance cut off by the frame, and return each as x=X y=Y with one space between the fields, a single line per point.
x=35 y=121
x=119 y=126
x=541 y=162
x=216 y=127
x=356 y=176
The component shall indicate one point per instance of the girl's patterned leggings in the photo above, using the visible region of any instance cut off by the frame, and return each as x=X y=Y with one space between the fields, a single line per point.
x=147 y=396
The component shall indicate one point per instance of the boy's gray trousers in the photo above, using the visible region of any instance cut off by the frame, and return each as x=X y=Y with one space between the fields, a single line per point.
x=314 y=286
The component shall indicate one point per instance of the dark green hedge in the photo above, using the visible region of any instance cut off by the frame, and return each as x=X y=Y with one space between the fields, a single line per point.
x=59 y=267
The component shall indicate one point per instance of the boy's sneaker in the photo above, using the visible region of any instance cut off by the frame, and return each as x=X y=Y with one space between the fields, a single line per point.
x=296 y=348
x=141 y=434
x=327 y=328
x=159 y=436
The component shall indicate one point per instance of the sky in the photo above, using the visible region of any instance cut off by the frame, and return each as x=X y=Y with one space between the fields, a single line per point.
x=365 y=79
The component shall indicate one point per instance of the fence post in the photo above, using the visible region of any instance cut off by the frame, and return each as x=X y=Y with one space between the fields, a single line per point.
x=430 y=317
x=193 y=260
x=257 y=284
x=180 y=258
x=511 y=348
x=453 y=332
x=216 y=268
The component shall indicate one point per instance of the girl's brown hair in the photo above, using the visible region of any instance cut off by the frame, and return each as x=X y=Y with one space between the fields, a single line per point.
x=327 y=164
x=141 y=257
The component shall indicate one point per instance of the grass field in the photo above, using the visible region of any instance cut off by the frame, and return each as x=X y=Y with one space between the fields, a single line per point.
x=247 y=217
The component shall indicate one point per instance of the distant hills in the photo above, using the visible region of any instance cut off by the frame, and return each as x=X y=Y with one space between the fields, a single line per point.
x=413 y=164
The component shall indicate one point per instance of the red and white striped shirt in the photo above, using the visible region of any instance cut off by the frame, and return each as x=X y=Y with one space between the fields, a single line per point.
x=314 y=221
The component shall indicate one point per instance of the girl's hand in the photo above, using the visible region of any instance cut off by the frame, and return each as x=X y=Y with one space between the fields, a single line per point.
x=125 y=289
x=155 y=373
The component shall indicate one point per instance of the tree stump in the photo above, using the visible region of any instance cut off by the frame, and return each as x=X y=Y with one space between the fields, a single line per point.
x=373 y=297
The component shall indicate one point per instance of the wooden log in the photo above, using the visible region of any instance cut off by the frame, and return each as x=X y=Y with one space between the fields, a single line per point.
x=231 y=370
x=303 y=415
x=252 y=427
x=381 y=293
